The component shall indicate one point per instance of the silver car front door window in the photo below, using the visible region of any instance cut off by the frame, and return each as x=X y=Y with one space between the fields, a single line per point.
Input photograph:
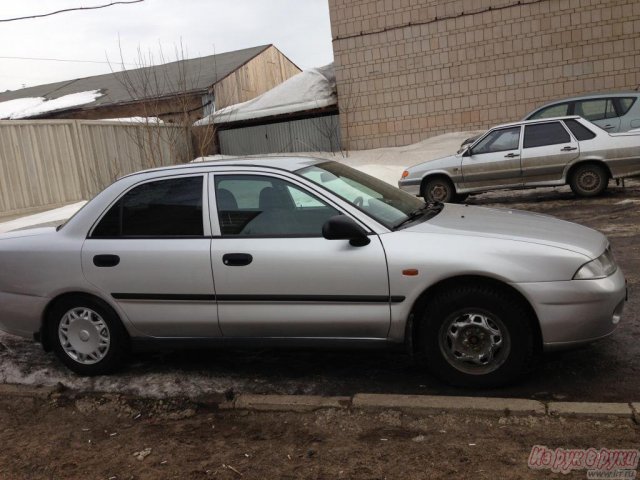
x=494 y=162
x=277 y=276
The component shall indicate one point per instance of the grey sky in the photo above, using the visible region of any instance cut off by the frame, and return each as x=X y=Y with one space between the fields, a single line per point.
x=299 y=28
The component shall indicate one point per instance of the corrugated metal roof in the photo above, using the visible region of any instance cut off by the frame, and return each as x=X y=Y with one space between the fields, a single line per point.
x=197 y=74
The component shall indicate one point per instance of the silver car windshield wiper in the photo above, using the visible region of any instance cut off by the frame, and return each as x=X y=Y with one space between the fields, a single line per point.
x=433 y=208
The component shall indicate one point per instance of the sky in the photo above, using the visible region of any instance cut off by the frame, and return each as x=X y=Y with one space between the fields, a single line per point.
x=299 y=28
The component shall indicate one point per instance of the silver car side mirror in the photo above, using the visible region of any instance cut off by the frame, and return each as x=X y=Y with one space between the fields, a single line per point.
x=341 y=227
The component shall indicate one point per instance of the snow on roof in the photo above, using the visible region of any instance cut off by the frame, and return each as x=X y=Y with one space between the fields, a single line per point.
x=34 y=106
x=140 y=120
x=11 y=108
x=308 y=90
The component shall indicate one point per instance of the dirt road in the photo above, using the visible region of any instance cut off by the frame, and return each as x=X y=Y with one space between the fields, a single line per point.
x=70 y=436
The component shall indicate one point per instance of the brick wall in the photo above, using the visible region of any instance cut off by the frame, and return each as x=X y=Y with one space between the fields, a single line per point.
x=410 y=69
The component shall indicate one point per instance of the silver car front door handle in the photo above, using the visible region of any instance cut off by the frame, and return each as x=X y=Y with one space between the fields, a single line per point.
x=237 y=259
x=103 y=261
x=511 y=155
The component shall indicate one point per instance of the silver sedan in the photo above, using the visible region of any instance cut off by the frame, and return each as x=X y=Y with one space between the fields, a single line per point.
x=529 y=154
x=306 y=253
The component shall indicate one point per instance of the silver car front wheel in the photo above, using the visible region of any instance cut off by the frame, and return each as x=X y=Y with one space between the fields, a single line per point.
x=476 y=335
x=474 y=342
x=438 y=189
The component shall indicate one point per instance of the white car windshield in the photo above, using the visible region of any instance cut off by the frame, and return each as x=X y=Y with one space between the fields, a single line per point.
x=388 y=205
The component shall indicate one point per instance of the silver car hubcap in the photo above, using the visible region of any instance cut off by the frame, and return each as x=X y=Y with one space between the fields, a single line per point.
x=474 y=342
x=589 y=181
x=439 y=192
x=84 y=335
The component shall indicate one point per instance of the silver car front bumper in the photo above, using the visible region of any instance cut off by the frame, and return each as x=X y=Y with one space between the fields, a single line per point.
x=577 y=311
x=410 y=185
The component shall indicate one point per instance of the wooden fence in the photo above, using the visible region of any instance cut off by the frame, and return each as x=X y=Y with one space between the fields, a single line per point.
x=49 y=163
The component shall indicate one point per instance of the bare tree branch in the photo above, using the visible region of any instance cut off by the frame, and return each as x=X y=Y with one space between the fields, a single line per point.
x=124 y=2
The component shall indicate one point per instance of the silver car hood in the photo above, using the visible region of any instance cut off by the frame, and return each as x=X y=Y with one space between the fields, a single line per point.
x=514 y=225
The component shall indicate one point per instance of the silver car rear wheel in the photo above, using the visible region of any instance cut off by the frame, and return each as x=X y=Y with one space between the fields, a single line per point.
x=474 y=342
x=84 y=335
x=589 y=180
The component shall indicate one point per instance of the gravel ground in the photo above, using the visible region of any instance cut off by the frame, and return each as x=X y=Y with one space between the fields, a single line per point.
x=110 y=437
x=604 y=371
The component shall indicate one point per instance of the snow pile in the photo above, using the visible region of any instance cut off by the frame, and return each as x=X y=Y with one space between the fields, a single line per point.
x=33 y=106
x=311 y=89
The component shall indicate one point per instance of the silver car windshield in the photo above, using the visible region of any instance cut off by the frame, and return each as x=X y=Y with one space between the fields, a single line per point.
x=388 y=205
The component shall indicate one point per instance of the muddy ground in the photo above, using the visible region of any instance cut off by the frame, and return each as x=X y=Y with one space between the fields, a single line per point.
x=69 y=436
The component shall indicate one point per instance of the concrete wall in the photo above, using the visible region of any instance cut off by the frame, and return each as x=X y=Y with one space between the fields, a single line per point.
x=410 y=69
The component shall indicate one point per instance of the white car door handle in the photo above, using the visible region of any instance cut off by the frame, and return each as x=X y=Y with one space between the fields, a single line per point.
x=511 y=155
x=568 y=149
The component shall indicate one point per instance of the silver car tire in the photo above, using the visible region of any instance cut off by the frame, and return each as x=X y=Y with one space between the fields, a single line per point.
x=438 y=189
x=87 y=335
x=476 y=336
x=589 y=180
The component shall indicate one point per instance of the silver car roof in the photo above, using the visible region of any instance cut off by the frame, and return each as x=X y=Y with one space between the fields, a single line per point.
x=537 y=120
x=290 y=164
x=585 y=97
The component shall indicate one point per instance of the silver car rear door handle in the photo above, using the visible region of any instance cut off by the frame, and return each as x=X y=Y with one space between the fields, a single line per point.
x=568 y=149
x=511 y=155
x=102 y=261
x=237 y=259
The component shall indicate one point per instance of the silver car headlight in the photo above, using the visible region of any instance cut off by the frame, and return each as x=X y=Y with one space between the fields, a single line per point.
x=601 y=267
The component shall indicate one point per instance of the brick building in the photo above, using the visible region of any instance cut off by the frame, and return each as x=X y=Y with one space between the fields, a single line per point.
x=409 y=69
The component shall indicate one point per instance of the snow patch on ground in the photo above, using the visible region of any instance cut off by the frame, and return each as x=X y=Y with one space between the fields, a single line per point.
x=384 y=163
x=29 y=107
x=23 y=362
x=55 y=215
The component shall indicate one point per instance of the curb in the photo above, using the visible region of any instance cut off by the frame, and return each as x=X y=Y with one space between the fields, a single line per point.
x=289 y=403
x=432 y=404
x=413 y=404
x=436 y=404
